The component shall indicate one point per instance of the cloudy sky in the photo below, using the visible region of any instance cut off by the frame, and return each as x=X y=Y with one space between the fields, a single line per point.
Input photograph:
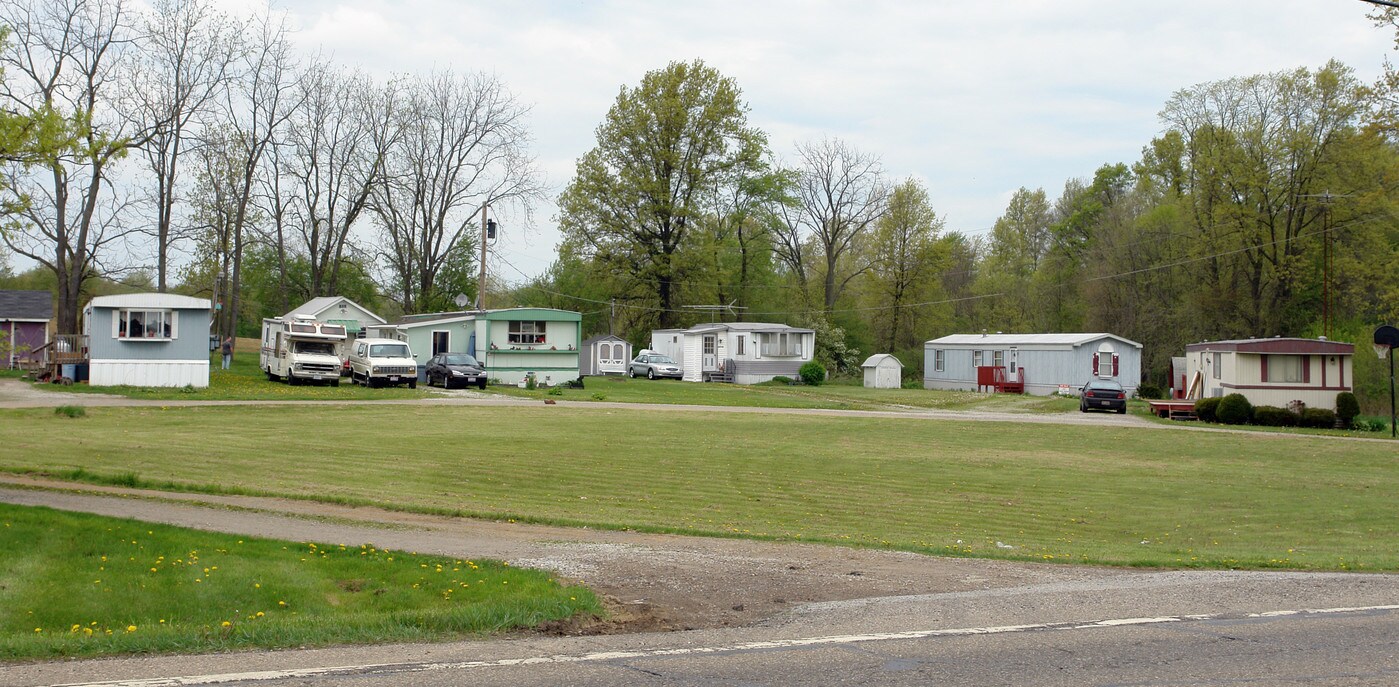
x=974 y=99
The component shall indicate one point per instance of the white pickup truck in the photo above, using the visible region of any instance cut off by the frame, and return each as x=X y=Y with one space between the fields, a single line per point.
x=301 y=349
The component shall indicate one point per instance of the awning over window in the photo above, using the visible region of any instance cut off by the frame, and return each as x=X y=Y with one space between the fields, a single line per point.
x=351 y=326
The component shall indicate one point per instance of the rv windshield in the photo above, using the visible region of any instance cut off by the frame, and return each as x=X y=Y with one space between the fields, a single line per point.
x=388 y=351
x=319 y=347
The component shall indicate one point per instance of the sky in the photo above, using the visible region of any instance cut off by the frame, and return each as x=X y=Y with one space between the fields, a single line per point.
x=974 y=99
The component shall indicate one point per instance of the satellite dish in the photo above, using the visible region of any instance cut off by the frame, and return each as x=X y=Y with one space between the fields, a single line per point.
x=461 y=300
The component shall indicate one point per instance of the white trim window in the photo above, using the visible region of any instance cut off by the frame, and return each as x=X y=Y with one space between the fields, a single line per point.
x=141 y=324
x=527 y=332
x=998 y=358
x=782 y=345
x=977 y=359
x=939 y=360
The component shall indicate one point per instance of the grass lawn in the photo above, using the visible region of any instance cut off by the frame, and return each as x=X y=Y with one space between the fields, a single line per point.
x=1094 y=494
x=73 y=584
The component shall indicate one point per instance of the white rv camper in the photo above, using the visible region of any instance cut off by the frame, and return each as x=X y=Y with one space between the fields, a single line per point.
x=301 y=349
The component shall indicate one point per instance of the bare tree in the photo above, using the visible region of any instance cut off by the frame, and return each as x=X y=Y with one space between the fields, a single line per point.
x=339 y=139
x=65 y=56
x=184 y=64
x=254 y=113
x=841 y=193
x=463 y=146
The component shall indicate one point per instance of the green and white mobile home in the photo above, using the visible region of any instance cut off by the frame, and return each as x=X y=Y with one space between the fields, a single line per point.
x=510 y=343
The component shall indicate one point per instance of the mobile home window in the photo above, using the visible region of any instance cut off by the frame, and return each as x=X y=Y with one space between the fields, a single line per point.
x=709 y=345
x=1218 y=365
x=782 y=344
x=738 y=345
x=977 y=359
x=145 y=324
x=526 y=332
x=1283 y=368
x=939 y=360
x=998 y=358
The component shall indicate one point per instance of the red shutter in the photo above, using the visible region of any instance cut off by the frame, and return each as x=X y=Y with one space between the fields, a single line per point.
x=1306 y=369
x=1095 y=364
x=1114 y=364
x=1263 y=367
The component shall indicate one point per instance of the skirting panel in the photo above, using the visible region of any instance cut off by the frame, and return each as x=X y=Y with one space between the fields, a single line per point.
x=174 y=373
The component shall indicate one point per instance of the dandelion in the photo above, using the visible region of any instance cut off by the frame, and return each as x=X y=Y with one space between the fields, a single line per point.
x=259 y=614
x=226 y=624
x=130 y=628
x=281 y=603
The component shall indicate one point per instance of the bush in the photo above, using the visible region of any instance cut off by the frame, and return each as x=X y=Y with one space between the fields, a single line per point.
x=812 y=373
x=1273 y=416
x=1149 y=390
x=1205 y=409
x=556 y=391
x=780 y=379
x=1347 y=408
x=70 y=411
x=1234 y=409
x=1323 y=418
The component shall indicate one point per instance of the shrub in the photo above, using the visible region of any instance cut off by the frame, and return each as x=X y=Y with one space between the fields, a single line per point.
x=1347 y=408
x=555 y=391
x=1205 y=409
x=1234 y=409
x=1273 y=416
x=781 y=379
x=70 y=411
x=599 y=396
x=1323 y=418
x=812 y=373
x=1149 y=390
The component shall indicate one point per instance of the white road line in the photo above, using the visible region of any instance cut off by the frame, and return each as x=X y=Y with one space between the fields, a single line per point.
x=389 y=668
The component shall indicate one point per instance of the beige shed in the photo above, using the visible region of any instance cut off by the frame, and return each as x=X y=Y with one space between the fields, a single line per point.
x=883 y=371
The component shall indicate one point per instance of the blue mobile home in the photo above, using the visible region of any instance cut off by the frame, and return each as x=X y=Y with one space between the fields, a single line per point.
x=1041 y=362
x=147 y=339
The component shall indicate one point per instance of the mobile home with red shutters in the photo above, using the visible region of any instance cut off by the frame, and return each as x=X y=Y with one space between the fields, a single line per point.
x=1030 y=363
x=1271 y=372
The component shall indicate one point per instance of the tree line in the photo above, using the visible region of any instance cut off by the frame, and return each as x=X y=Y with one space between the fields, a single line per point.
x=1265 y=208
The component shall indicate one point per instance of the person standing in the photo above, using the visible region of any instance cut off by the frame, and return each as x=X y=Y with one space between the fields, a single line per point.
x=227 y=352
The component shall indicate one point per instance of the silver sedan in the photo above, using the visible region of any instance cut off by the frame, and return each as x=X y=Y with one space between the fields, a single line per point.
x=654 y=366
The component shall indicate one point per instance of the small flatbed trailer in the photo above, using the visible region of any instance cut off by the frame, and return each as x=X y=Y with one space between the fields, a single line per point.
x=1174 y=410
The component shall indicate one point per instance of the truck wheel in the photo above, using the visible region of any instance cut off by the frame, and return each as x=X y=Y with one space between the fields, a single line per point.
x=271 y=377
x=335 y=382
x=413 y=384
x=292 y=380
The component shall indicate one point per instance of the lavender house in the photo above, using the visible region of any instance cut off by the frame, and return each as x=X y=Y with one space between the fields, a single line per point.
x=24 y=326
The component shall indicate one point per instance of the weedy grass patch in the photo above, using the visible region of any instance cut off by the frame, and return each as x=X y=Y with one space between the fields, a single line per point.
x=74 y=584
x=1134 y=496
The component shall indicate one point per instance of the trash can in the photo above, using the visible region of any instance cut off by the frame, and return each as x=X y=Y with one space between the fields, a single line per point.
x=69 y=370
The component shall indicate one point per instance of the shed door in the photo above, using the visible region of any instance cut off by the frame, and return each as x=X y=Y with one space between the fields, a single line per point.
x=610 y=358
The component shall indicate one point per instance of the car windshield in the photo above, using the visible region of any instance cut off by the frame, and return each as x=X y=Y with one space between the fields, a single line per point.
x=462 y=359
x=321 y=347
x=388 y=351
x=664 y=359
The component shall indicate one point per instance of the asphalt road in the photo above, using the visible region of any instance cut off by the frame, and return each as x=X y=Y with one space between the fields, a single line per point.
x=983 y=623
x=1042 y=635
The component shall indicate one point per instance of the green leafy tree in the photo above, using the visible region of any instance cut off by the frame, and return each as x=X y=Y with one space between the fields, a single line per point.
x=661 y=152
x=905 y=256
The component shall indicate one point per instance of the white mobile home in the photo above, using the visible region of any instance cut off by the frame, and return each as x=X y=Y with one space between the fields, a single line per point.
x=739 y=352
x=1271 y=372
x=1042 y=363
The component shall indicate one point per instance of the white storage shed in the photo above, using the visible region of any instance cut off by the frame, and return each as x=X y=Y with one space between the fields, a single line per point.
x=883 y=371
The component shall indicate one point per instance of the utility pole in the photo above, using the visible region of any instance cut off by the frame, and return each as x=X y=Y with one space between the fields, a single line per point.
x=481 y=278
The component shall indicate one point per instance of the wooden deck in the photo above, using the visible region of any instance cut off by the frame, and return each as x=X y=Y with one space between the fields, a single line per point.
x=1175 y=410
